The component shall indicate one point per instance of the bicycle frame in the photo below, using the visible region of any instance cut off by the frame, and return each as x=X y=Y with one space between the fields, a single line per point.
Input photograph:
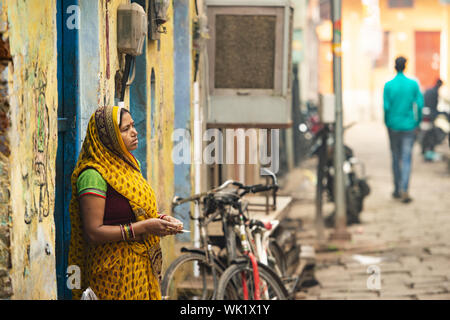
x=229 y=233
x=246 y=248
x=260 y=238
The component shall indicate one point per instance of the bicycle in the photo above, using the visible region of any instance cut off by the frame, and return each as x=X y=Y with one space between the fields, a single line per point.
x=246 y=277
x=194 y=275
x=202 y=265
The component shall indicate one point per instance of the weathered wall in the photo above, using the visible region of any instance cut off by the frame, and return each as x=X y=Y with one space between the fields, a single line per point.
x=5 y=183
x=160 y=120
x=32 y=96
x=447 y=57
x=183 y=78
x=109 y=58
x=160 y=170
x=28 y=129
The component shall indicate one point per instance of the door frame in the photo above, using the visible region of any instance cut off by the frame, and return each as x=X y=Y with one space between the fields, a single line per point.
x=68 y=115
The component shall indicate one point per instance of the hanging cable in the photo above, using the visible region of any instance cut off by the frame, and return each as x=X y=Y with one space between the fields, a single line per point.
x=129 y=65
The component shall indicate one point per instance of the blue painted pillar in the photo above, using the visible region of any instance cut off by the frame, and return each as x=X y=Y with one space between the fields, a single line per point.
x=68 y=108
x=182 y=84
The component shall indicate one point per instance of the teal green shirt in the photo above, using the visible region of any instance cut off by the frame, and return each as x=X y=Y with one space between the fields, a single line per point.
x=403 y=103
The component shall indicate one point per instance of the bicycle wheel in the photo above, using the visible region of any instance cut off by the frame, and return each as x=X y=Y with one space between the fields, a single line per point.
x=237 y=283
x=277 y=258
x=191 y=277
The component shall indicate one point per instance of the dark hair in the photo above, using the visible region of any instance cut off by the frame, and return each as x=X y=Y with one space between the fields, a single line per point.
x=400 y=64
x=122 y=112
x=439 y=83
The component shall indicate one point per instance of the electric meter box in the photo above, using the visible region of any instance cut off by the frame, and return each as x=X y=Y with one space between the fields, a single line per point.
x=327 y=108
x=250 y=63
x=131 y=28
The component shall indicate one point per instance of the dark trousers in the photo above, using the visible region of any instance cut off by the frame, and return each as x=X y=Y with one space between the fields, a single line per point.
x=402 y=143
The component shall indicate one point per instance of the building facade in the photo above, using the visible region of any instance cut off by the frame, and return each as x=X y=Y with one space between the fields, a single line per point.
x=59 y=62
x=29 y=135
x=374 y=33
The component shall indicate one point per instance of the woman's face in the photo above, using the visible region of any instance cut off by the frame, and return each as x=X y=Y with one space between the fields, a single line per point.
x=128 y=132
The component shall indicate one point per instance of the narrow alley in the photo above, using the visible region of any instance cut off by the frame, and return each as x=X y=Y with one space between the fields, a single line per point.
x=137 y=136
x=399 y=251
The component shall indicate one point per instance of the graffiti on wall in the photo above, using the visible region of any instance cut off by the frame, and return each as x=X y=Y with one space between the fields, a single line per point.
x=40 y=202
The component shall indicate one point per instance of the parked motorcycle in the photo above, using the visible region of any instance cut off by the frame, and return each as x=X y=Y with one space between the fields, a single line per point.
x=433 y=131
x=356 y=186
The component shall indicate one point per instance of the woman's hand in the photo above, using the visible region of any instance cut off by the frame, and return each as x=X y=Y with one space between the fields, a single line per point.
x=162 y=228
x=174 y=220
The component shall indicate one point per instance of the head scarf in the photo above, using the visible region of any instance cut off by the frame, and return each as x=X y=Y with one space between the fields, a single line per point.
x=104 y=150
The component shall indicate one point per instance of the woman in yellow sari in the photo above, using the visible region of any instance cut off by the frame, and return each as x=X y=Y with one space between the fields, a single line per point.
x=115 y=226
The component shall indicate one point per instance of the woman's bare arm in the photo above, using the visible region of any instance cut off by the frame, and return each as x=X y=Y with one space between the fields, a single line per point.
x=92 y=213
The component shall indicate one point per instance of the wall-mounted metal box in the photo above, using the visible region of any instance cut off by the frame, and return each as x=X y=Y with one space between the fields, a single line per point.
x=250 y=58
x=131 y=28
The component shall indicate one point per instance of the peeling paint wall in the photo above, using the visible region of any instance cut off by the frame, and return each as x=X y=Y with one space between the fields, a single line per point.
x=109 y=57
x=32 y=97
x=160 y=165
x=5 y=182
x=159 y=55
x=28 y=128
x=182 y=103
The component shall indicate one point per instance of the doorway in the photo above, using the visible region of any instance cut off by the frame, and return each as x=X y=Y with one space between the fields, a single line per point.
x=68 y=102
x=428 y=57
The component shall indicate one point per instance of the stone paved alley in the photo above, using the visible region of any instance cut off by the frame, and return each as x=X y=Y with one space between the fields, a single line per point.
x=407 y=244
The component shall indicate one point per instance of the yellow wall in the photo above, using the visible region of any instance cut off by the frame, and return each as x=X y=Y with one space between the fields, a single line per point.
x=427 y=15
x=159 y=155
x=33 y=102
x=160 y=164
x=33 y=141
x=109 y=63
x=446 y=88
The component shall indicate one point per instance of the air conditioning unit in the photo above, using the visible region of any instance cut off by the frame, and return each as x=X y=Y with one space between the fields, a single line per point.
x=250 y=62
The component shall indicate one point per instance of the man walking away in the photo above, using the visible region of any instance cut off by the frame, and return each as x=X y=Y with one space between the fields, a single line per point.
x=403 y=103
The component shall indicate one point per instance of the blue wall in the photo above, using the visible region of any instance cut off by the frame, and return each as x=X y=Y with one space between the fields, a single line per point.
x=67 y=153
x=182 y=83
x=89 y=53
x=138 y=104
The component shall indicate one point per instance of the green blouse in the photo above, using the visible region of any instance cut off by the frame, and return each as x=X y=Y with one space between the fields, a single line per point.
x=90 y=181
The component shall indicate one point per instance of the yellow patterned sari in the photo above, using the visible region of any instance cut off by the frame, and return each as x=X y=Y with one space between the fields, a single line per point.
x=115 y=270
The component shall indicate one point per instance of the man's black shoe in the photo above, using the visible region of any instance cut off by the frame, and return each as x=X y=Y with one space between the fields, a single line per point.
x=405 y=197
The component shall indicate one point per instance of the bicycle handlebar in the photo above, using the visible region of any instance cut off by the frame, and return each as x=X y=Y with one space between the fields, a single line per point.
x=178 y=200
x=253 y=189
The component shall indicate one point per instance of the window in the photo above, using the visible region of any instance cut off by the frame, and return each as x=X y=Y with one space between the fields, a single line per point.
x=383 y=59
x=401 y=3
x=325 y=10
